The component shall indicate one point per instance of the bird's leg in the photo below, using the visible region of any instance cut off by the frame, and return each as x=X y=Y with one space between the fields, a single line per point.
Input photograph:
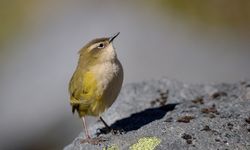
x=109 y=129
x=85 y=128
x=105 y=124
x=88 y=139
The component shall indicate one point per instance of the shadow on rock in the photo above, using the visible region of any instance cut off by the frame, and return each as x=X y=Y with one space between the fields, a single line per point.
x=137 y=120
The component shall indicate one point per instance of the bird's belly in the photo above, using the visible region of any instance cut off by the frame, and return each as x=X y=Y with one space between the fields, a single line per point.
x=109 y=79
x=112 y=89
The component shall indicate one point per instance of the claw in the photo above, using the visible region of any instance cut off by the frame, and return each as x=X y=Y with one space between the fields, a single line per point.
x=94 y=141
x=116 y=131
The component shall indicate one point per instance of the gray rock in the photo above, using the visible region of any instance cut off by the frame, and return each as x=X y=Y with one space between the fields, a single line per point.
x=182 y=116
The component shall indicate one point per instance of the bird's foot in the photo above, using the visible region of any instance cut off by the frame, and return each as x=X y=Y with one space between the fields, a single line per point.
x=116 y=131
x=94 y=141
x=110 y=130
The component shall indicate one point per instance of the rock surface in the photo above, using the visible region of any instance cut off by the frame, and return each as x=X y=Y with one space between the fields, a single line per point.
x=178 y=115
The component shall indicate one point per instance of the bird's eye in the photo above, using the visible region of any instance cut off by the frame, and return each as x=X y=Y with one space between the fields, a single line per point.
x=101 y=45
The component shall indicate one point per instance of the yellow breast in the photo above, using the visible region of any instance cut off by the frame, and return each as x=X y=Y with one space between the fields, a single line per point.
x=91 y=90
x=90 y=96
x=98 y=89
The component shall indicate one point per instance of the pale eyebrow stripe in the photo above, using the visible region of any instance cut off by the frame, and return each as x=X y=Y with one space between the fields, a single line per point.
x=93 y=46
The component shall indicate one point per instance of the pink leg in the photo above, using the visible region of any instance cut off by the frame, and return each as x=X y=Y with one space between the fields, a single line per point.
x=85 y=128
x=88 y=138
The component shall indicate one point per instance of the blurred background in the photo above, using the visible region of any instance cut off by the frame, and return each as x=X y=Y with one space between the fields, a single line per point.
x=195 y=41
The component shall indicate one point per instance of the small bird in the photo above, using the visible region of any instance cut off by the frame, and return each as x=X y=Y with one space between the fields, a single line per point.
x=96 y=81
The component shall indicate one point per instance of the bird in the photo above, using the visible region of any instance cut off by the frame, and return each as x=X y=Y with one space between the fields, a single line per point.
x=96 y=82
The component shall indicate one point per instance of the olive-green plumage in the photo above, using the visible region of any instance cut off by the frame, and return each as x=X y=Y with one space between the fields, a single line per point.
x=97 y=79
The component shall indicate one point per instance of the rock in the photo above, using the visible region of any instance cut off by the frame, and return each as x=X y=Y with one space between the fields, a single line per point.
x=248 y=93
x=168 y=114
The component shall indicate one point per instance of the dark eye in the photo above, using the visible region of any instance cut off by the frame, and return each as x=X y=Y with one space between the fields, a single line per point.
x=101 y=45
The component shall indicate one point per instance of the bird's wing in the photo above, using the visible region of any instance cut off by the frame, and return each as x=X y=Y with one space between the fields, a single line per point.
x=76 y=89
x=82 y=89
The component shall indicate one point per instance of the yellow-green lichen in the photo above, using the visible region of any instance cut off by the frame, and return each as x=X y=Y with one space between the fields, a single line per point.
x=146 y=143
x=112 y=147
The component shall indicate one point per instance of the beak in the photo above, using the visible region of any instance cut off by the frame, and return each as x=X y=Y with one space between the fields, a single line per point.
x=113 y=37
